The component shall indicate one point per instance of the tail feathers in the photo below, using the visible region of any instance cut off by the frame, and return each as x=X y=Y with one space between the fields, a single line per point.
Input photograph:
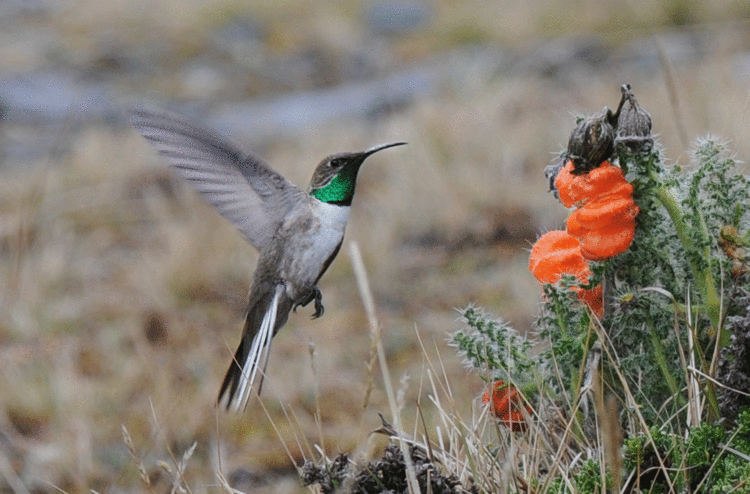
x=250 y=361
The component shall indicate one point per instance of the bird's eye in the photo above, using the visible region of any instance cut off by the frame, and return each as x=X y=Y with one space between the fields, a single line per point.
x=336 y=163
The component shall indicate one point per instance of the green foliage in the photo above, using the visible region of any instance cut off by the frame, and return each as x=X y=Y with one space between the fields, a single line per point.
x=666 y=299
x=702 y=444
x=586 y=480
x=732 y=470
x=656 y=246
x=565 y=325
x=710 y=457
x=676 y=249
x=717 y=188
x=492 y=345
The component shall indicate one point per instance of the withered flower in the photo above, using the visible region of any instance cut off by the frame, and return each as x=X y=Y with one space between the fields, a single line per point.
x=734 y=247
x=633 y=123
x=592 y=142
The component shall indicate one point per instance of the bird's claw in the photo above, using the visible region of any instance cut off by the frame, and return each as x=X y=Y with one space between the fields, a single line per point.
x=316 y=296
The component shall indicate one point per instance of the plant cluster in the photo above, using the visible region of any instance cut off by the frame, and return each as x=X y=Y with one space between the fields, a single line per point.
x=668 y=342
x=384 y=475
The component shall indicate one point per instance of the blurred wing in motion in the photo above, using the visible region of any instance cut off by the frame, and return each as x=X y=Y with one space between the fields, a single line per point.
x=242 y=187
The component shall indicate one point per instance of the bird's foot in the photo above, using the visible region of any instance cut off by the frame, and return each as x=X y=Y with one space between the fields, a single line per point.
x=316 y=296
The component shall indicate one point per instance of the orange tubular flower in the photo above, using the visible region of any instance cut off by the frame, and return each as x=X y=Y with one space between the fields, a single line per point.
x=605 y=225
x=564 y=185
x=604 y=220
x=557 y=253
x=507 y=405
x=594 y=298
x=604 y=242
x=606 y=210
x=579 y=189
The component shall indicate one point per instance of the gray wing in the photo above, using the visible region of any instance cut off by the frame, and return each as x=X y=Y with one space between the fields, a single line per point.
x=242 y=187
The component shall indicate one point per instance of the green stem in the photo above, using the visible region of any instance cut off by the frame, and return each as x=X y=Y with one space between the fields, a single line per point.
x=704 y=278
x=661 y=360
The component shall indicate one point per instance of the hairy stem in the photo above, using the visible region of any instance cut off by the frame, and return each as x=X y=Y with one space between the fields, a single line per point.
x=704 y=278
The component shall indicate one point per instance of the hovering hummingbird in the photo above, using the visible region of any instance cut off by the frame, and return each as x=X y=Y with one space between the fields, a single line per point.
x=297 y=233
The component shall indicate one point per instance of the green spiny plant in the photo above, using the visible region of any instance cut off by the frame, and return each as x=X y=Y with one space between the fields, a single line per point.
x=670 y=303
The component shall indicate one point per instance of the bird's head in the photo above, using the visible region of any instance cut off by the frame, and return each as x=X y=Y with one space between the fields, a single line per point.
x=335 y=177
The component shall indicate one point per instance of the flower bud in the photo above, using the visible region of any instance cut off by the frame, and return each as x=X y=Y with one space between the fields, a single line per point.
x=591 y=143
x=633 y=123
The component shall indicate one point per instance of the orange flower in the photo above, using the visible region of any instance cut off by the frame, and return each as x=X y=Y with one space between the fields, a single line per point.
x=604 y=242
x=578 y=189
x=606 y=210
x=604 y=220
x=594 y=298
x=557 y=253
x=564 y=185
x=507 y=405
x=605 y=224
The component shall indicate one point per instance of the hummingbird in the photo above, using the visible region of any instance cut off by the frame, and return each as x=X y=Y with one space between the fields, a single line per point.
x=297 y=233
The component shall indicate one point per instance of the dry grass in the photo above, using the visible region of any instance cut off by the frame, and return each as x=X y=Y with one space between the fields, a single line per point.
x=558 y=437
x=122 y=293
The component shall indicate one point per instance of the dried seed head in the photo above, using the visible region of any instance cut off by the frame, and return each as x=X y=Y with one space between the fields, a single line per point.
x=733 y=245
x=591 y=143
x=633 y=123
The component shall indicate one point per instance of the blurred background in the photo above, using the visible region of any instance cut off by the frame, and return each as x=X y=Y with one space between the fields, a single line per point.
x=122 y=294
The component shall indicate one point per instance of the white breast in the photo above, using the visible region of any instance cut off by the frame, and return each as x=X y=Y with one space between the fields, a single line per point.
x=316 y=245
x=331 y=216
x=330 y=232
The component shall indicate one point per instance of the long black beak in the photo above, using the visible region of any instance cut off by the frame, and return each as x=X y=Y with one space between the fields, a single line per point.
x=380 y=147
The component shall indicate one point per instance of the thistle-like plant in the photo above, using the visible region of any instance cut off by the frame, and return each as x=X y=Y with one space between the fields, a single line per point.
x=671 y=302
